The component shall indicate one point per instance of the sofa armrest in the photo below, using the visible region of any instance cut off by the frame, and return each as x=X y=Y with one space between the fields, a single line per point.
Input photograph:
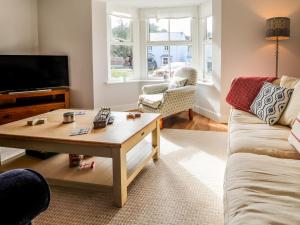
x=155 y=88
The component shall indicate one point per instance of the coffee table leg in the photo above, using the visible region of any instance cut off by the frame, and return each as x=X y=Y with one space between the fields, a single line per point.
x=119 y=177
x=156 y=140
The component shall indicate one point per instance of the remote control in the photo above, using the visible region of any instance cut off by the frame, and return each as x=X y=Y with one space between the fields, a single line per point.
x=102 y=118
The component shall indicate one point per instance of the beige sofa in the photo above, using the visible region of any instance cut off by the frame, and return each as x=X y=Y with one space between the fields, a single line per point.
x=262 y=179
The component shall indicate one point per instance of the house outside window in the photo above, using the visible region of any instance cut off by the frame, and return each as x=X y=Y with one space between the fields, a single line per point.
x=165 y=60
x=171 y=43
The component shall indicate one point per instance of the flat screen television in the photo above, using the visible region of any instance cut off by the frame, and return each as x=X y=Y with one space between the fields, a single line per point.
x=33 y=72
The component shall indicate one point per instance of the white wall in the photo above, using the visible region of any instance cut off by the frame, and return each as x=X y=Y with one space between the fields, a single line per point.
x=18 y=26
x=244 y=49
x=65 y=27
x=118 y=96
x=208 y=95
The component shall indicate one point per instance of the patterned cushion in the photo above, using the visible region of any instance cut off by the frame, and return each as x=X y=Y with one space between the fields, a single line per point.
x=243 y=91
x=177 y=82
x=270 y=102
x=188 y=73
x=294 y=138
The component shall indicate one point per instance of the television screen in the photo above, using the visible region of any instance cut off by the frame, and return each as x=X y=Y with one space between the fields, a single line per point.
x=31 y=72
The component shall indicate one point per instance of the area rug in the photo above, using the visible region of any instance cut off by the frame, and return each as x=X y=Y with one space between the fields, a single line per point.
x=183 y=187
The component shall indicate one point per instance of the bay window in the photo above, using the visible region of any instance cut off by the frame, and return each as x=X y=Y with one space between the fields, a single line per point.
x=151 y=43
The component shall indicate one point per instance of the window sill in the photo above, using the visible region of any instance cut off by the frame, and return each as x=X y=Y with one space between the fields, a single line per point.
x=205 y=83
x=121 y=82
x=133 y=81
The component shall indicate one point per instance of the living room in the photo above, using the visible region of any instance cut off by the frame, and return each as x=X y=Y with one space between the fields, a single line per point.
x=181 y=82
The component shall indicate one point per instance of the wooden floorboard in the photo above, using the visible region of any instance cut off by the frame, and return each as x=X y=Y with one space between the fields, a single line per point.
x=199 y=122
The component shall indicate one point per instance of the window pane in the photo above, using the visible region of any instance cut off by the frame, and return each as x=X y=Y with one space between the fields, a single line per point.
x=121 y=61
x=121 y=29
x=180 y=56
x=163 y=65
x=208 y=62
x=180 y=29
x=157 y=56
x=158 y=30
x=209 y=27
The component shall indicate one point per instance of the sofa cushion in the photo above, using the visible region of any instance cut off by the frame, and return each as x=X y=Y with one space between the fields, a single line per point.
x=153 y=101
x=239 y=116
x=261 y=139
x=261 y=190
x=249 y=134
x=270 y=102
x=289 y=82
x=243 y=91
x=293 y=108
x=294 y=138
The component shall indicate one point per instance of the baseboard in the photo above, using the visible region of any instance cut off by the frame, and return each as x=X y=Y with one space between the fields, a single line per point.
x=126 y=107
x=207 y=113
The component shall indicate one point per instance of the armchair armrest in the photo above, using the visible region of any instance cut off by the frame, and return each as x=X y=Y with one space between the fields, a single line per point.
x=185 y=89
x=155 y=88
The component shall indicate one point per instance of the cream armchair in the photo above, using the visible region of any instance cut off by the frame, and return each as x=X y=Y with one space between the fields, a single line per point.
x=159 y=98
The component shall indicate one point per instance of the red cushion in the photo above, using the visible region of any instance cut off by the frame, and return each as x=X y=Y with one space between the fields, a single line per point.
x=243 y=91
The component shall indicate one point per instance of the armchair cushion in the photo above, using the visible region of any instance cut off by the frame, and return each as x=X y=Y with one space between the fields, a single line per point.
x=177 y=82
x=189 y=73
x=155 y=88
x=153 y=101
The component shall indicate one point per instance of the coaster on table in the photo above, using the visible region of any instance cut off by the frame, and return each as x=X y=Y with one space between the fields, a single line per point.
x=80 y=131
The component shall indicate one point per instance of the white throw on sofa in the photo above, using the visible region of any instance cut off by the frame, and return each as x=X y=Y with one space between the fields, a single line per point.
x=262 y=179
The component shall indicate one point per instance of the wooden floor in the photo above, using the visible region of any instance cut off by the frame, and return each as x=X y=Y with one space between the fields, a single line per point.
x=199 y=122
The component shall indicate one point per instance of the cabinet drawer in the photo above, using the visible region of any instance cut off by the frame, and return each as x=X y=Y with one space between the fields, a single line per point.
x=18 y=113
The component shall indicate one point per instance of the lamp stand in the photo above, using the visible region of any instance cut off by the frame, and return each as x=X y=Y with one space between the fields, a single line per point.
x=277 y=55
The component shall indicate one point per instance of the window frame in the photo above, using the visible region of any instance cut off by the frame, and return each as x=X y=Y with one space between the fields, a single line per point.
x=189 y=43
x=111 y=42
x=204 y=76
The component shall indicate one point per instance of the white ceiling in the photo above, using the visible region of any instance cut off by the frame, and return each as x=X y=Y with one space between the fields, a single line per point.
x=157 y=3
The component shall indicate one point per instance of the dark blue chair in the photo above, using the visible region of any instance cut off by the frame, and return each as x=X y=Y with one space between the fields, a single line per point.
x=24 y=194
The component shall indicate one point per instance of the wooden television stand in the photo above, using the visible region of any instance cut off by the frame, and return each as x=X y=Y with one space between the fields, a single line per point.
x=21 y=105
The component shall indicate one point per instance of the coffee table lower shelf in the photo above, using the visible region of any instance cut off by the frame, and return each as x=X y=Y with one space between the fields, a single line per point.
x=57 y=172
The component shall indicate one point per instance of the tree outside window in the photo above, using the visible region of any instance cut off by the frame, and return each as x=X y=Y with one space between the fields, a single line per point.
x=121 y=48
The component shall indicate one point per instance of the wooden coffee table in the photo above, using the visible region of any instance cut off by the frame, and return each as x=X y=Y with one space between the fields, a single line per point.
x=114 y=141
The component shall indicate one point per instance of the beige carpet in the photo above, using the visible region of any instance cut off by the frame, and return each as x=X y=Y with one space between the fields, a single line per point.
x=183 y=187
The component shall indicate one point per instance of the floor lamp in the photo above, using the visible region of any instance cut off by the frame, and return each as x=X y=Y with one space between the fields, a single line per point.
x=278 y=29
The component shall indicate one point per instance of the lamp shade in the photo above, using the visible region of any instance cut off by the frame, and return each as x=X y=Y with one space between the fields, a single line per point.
x=278 y=28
